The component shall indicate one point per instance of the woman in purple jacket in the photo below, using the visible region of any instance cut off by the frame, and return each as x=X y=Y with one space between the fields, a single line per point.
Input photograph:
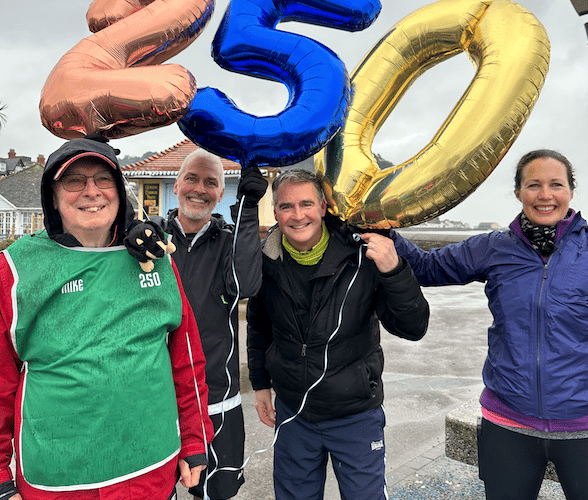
x=535 y=404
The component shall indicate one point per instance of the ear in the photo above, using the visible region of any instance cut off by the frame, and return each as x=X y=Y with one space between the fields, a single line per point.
x=220 y=196
x=176 y=187
x=517 y=193
x=323 y=207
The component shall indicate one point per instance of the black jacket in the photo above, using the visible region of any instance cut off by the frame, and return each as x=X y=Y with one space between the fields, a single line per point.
x=207 y=276
x=283 y=356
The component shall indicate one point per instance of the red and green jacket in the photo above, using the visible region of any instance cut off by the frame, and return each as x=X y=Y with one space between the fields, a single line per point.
x=97 y=381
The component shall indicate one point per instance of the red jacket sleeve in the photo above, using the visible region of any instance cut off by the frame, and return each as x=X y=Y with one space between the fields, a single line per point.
x=188 y=362
x=10 y=367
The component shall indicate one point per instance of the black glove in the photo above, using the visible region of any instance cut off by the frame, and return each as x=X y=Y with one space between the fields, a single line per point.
x=146 y=240
x=252 y=186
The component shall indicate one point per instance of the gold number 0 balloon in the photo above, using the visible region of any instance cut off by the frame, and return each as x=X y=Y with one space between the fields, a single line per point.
x=510 y=49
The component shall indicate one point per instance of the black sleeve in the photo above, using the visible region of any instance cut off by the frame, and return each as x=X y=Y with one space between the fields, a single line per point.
x=259 y=337
x=247 y=255
x=401 y=306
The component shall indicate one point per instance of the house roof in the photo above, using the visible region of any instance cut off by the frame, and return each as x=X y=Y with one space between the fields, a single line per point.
x=23 y=189
x=13 y=163
x=168 y=162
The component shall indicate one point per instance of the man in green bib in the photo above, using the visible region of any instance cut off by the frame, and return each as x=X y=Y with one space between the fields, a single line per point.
x=102 y=381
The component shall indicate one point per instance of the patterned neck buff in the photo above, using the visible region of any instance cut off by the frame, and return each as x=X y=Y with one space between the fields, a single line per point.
x=312 y=256
x=542 y=238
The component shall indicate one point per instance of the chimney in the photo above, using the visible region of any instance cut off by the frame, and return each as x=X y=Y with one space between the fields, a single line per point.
x=12 y=153
x=41 y=160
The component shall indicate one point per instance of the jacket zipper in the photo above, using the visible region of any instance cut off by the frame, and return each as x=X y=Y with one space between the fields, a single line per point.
x=561 y=242
x=321 y=303
x=539 y=336
x=304 y=338
x=539 y=322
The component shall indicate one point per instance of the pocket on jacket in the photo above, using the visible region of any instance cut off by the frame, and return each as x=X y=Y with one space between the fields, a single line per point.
x=284 y=374
x=351 y=383
x=355 y=382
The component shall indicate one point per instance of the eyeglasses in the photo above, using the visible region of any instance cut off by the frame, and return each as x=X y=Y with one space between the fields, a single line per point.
x=77 y=182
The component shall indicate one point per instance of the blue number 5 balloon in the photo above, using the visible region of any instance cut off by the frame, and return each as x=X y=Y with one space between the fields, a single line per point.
x=247 y=42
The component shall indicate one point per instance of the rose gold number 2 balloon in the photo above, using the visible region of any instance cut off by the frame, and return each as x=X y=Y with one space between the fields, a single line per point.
x=113 y=81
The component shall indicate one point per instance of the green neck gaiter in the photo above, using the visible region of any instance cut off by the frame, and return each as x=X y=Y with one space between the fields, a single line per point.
x=312 y=256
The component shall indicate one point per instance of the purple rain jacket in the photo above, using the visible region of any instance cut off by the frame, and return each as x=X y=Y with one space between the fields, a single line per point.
x=537 y=362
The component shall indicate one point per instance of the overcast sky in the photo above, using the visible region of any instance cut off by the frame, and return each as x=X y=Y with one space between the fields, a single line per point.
x=37 y=33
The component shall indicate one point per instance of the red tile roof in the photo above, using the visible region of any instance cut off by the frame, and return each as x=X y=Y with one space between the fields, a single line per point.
x=171 y=159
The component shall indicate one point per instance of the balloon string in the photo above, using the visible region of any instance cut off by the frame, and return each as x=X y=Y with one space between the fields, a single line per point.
x=234 y=305
x=130 y=188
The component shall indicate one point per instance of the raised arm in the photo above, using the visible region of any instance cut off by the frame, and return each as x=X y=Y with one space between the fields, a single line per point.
x=457 y=264
x=401 y=306
x=247 y=255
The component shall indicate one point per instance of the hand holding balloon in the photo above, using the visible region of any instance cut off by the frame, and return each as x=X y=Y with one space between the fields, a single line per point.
x=252 y=186
x=381 y=250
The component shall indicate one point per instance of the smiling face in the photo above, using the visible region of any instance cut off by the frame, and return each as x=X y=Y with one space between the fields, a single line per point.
x=199 y=189
x=545 y=191
x=90 y=213
x=299 y=213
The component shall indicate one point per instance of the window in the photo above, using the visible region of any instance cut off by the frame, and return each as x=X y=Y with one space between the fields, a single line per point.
x=27 y=218
x=5 y=223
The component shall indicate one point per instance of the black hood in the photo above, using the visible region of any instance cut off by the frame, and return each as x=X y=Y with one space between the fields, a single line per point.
x=90 y=144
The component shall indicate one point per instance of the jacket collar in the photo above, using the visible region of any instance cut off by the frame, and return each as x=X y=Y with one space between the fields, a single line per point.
x=217 y=223
x=572 y=223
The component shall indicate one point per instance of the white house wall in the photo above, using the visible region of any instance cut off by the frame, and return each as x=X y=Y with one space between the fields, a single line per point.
x=5 y=204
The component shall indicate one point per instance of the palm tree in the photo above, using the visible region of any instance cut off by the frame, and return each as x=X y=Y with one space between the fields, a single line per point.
x=2 y=115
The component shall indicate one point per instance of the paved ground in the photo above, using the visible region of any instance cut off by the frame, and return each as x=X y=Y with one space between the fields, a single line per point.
x=423 y=382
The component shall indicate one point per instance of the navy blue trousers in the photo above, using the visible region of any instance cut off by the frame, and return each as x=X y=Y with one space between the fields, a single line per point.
x=355 y=444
